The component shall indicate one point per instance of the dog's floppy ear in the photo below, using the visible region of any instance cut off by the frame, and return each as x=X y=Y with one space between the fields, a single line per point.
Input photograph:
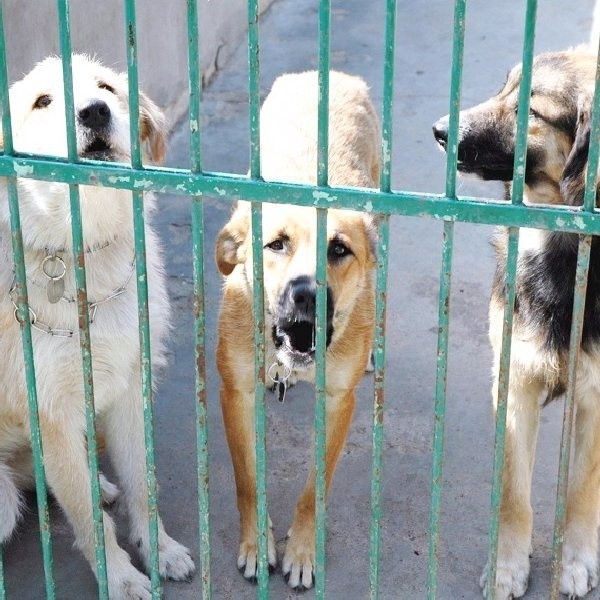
x=572 y=183
x=153 y=128
x=229 y=250
x=371 y=221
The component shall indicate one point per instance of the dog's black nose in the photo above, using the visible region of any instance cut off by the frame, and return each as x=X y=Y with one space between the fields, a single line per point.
x=95 y=116
x=440 y=131
x=300 y=298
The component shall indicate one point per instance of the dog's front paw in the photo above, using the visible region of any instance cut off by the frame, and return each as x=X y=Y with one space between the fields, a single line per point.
x=299 y=559
x=512 y=577
x=174 y=560
x=579 y=571
x=125 y=582
x=247 y=561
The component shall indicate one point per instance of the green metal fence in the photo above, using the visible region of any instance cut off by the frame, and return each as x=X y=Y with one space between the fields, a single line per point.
x=198 y=184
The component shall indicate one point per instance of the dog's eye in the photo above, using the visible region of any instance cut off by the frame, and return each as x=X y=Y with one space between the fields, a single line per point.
x=42 y=101
x=337 y=250
x=277 y=245
x=533 y=113
x=105 y=86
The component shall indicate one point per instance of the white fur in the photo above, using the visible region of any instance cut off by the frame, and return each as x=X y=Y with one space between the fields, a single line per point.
x=46 y=224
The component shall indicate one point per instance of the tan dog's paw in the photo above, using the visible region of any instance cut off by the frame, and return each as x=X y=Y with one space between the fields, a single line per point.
x=247 y=562
x=512 y=578
x=579 y=571
x=299 y=559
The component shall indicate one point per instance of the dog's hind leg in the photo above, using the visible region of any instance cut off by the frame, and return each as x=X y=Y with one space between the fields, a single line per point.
x=299 y=559
x=10 y=503
x=124 y=431
x=238 y=417
x=514 y=541
x=580 y=550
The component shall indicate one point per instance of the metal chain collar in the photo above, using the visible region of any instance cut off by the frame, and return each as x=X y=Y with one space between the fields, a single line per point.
x=92 y=307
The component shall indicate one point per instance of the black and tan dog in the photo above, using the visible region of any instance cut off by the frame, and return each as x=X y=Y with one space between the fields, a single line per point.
x=558 y=139
x=288 y=153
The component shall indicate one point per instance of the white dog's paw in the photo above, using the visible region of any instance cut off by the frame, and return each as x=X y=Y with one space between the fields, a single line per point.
x=10 y=504
x=247 y=562
x=512 y=577
x=174 y=560
x=579 y=571
x=299 y=560
x=125 y=582
x=110 y=491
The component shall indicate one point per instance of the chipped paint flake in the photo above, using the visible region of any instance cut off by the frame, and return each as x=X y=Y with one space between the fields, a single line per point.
x=142 y=183
x=118 y=179
x=220 y=191
x=320 y=195
x=193 y=125
x=369 y=206
x=22 y=170
x=579 y=223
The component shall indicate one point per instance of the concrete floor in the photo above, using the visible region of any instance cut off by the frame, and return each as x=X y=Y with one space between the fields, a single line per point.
x=493 y=45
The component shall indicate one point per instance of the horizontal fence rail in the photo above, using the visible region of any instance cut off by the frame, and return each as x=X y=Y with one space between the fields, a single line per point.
x=198 y=184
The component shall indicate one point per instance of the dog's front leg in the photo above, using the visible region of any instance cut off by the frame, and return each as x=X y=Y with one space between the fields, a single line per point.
x=69 y=478
x=238 y=418
x=124 y=430
x=299 y=559
x=514 y=541
x=580 y=550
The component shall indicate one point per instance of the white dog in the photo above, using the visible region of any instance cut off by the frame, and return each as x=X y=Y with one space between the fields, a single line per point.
x=102 y=122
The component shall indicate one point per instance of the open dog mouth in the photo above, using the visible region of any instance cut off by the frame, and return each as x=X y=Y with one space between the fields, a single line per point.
x=98 y=149
x=295 y=343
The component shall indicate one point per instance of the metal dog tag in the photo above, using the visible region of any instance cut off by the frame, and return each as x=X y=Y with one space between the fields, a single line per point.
x=54 y=269
x=55 y=288
x=281 y=389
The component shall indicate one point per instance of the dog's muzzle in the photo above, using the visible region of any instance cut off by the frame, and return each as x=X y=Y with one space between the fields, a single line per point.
x=95 y=119
x=294 y=323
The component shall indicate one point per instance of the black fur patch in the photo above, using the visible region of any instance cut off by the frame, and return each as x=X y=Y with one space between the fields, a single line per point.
x=545 y=290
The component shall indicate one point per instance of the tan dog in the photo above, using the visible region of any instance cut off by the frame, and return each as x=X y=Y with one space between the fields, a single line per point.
x=558 y=141
x=102 y=132
x=289 y=149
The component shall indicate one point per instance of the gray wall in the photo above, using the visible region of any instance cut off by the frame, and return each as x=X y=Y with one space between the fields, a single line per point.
x=97 y=28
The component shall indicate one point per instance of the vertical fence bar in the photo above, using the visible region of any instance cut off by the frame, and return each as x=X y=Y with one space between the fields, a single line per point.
x=258 y=304
x=82 y=302
x=509 y=293
x=581 y=276
x=381 y=301
x=321 y=300
x=258 y=307
x=23 y=314
x=142 y=294
x=2 y=586
x=444 y=303
x=523 y=107
x=195 y=91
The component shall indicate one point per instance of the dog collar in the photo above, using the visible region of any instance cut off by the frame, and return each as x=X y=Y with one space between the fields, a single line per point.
x=52 y=288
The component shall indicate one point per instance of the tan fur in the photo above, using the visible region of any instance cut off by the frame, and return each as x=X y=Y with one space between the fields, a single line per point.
x=107 y=227
x=288 y=152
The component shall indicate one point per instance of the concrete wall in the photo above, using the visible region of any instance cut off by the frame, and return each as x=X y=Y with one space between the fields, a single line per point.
x=97 y=28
